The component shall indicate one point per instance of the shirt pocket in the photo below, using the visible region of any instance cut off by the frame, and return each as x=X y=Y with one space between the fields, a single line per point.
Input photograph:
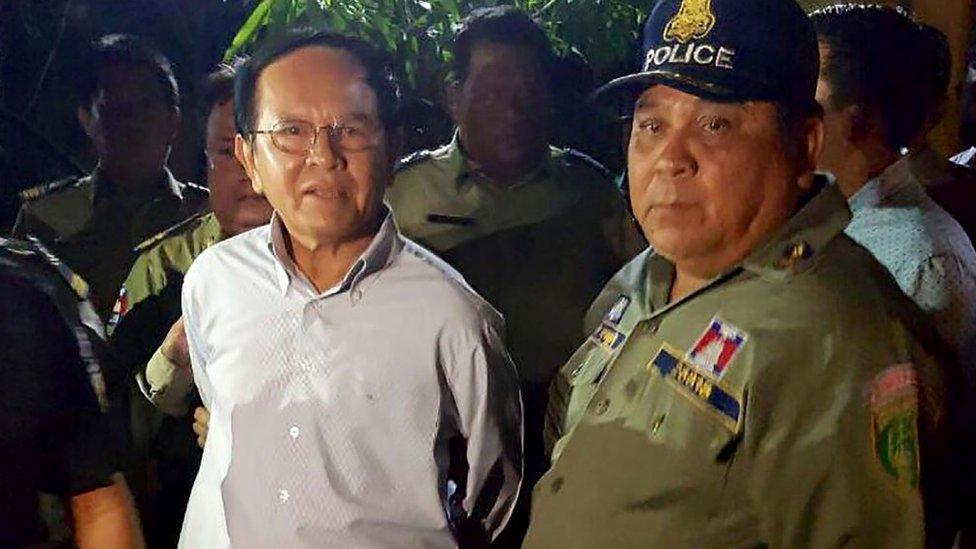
x=695 y=417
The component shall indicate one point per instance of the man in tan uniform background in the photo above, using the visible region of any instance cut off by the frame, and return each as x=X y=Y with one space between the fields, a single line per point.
x=537 y=230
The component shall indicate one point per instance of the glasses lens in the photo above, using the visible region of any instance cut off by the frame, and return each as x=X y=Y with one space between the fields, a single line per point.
x=293 y=137
x=356 y=136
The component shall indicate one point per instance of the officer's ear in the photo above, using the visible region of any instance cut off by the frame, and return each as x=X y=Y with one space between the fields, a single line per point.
x=244 y=152
x=859 y=125
x=394 y=148
x=452 y=92
x=85 y=119
x=811 y=147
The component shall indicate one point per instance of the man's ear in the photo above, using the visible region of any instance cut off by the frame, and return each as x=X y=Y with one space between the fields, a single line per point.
x=394 y=148
x=244 y=152
x=85 y=119
x=813 y=143
x=858 y=123
x=452 y=92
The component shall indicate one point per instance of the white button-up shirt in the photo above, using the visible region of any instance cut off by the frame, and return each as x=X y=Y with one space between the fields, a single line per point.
x=383 y=412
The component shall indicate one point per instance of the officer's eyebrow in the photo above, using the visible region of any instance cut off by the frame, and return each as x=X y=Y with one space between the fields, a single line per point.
x=644 y=104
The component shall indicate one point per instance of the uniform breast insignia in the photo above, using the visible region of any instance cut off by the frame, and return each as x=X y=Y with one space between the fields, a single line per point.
x=608 y=337
x=701 y=389
x=617 y=311
x=716 y=347
x=893 y=399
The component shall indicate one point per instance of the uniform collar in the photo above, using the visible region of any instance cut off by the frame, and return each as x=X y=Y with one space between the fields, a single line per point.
x=794 y=249
x=797 y=245
x=461 y=164
x=377 y=256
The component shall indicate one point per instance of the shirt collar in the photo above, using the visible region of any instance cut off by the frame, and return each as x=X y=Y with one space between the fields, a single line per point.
x=461 y=164
x=895 y=179
x=796 y=246
x=377 y=256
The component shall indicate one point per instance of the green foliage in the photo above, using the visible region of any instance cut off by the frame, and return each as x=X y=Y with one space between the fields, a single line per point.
x=419 y=32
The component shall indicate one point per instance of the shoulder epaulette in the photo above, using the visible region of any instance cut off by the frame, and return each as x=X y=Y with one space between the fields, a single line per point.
x=193 y=187
x=16 y=247
x=186 y=225
x=412 y=159
x=576 y=157
x=33 y=193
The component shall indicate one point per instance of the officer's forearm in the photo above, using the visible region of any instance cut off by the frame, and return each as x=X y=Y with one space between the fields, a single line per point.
x=106 y=518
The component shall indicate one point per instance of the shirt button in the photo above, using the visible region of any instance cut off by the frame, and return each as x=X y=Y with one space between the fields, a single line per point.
x=283 y=495
x=294 y=431
x=603 y=406
x=557 y=485
x=357 y=294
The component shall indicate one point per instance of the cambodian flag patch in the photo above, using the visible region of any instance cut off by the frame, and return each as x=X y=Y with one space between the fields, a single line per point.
x=716 y=348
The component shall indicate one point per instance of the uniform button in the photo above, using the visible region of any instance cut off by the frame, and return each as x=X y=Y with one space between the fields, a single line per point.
x=603 y=406
x=652 y=326
x=294 y=431
x=283 y=495
x=557 y=485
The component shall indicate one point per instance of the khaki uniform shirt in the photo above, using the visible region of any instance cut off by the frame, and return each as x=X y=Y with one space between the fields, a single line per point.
x=149 y=303
x=538 y=250
x=775 y=406
x=93 y=227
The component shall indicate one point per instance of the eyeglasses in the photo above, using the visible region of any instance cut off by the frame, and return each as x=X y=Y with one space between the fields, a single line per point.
x=299 y=137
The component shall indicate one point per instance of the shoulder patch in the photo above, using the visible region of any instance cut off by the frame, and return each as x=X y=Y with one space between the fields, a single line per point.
x=33 y=193
x=411 y=160
x=893 y=398
x=573 y=156
x=186 y=225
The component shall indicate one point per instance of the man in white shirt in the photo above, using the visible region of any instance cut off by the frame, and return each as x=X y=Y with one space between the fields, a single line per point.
x=360 y=392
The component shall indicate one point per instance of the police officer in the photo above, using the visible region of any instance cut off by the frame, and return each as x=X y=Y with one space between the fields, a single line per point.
x=148 y=305
x=534 y=229
x=130 y=110
x=751 y=383
x=53 y=436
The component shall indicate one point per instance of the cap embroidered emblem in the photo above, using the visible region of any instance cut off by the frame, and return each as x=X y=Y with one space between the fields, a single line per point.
x=694 y=20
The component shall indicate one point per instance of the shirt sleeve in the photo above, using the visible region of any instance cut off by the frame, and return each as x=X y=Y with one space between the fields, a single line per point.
x=486 y=392
x=199 y=355
x=80 y=437
x=945 y=288
x=836 y=454
x=166 y=385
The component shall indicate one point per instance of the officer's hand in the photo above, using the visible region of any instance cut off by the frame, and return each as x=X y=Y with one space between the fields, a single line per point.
x=201 y=424
x=175 y=348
